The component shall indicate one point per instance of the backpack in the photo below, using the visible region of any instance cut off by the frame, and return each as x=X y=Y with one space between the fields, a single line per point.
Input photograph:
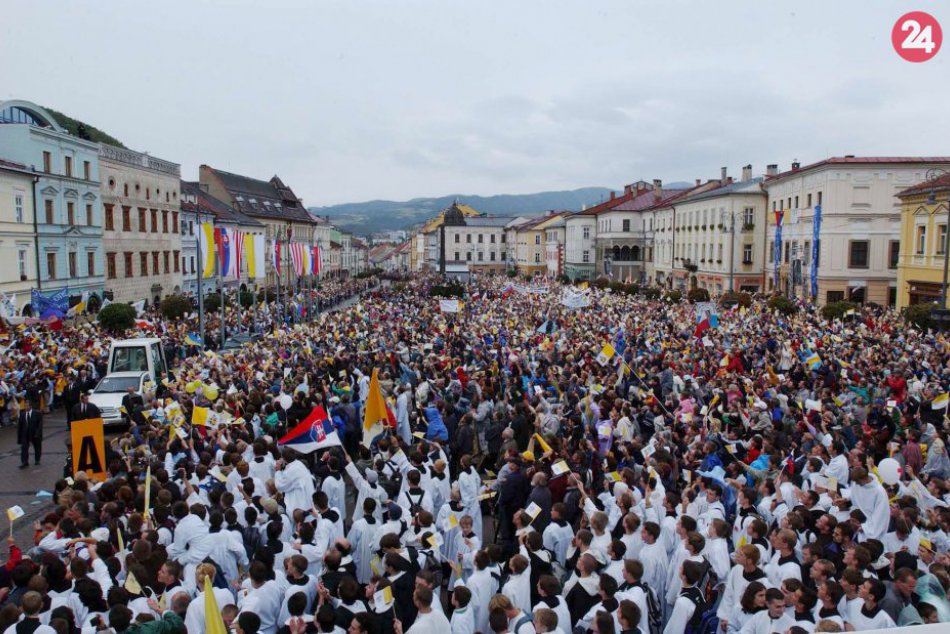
x=251 y=537
x=525 y=618
x=654 y=613
x=391 y=483
x=434 y=566
x=415 y=505
x=704 y=619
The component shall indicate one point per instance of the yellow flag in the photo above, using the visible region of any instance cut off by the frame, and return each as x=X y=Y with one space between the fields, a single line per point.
x=773 y=378
x=374 y=415
x=199 y=416
x=214 y=624
x=118 y=534
x=132 y=584
x=545 y=447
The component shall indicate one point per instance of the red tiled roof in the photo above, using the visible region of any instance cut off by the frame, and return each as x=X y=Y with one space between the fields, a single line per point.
x=865 y=160
x=940 y=183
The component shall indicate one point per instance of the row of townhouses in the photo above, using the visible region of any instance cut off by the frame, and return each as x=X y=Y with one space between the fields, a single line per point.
x=114 y=223
x=863 y=229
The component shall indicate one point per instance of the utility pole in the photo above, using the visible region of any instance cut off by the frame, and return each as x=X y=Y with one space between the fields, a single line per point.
x=201 y=274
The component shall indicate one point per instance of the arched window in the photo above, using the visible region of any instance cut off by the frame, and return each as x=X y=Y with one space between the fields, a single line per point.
x=635 y=253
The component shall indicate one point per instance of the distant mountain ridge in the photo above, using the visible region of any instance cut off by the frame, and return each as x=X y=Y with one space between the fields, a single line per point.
x=383 y=215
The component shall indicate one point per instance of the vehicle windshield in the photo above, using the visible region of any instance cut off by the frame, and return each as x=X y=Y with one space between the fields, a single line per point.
x=129 y=359
x=117 y=384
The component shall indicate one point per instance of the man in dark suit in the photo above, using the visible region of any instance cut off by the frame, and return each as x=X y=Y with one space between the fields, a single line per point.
x=133 y=404
x=84 y=409
x=30 y=432
x=71 y=398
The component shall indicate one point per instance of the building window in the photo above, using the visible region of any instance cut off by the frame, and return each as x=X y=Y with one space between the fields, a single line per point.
x=481 y=238
x=48 y=204
x=174 y=221
x=468 y=256
x=126 y=218
x=537 y=258
x=626 y=225
x=47 y=163
x=87 y=170
x=127 y=256
x=110 y=218
x=51 y=266
x=21 y=262
x=72 y=264
x=177 y=262
x=587 y=233
x=941 y=239
x=143 y=263
x=920 y=241
x=504 y=256
x=491 y=256
x=834 y=296
x=504 y=239
x=585 y=257
x=858 y=258
x=796 y=202
x=125 y=190
x=68 y=165
x=91 y=263
x=537 y=238
x=747 y=254
x=786 y=252
x=458 y=238
x=481 y=256
x=88 y=215
x=809 y=201
x=458 y=257
x=164 y=221
x=165 y=258
x=894 y=253
x=748 y=217
x=70 y=213
x=154 y=262
x=492 y=238
x=468 y=238
x=154 y=216
x=110 y=265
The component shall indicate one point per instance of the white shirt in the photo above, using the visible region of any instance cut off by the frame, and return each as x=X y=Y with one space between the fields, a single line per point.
x=762 y=623
x=433 y=621
x=296 y=483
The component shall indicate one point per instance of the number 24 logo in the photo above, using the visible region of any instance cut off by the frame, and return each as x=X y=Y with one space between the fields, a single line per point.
x=917 y=36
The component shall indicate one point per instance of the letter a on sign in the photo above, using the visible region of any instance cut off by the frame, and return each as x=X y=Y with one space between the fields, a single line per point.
x=89 y=452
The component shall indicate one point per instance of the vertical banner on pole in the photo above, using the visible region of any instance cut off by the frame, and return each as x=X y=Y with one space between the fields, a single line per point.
x=815 y=250
x=779 y=216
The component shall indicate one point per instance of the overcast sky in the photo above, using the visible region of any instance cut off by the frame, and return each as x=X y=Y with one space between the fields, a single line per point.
x=354 y=100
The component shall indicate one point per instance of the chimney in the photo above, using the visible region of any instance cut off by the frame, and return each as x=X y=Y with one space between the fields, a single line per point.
x=627 y=190
x=747 y=172
x=613 y=195
x=771 y=170
x=658 y=187
x=722 y=176
x=699 y=182
x=795 y=165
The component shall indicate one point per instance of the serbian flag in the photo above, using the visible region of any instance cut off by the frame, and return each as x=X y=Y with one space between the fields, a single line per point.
x=701 y=327
x=316 y=431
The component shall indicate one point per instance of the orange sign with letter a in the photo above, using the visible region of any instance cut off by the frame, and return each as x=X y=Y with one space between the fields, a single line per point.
x=89 y=448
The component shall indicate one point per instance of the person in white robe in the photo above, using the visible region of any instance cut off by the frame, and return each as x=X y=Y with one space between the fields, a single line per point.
x=293 y=479
x=367 y=487
x=518 y=586
x=195 y=616
x=362 y=540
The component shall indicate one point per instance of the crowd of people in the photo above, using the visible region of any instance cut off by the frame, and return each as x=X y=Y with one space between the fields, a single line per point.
x=610 y=468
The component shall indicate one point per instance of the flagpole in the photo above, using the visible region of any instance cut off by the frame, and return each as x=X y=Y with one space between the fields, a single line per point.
x=221 y=284
x=277 y=308
x=201 y=274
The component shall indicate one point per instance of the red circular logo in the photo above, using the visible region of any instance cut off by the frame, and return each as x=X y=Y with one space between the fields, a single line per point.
x=917 y=36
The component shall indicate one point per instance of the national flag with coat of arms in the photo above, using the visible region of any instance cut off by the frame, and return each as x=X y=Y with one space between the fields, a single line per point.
x=315 y=432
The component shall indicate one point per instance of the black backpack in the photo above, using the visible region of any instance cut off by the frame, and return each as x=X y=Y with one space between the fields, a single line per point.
x=251 y=537
x=434 y=566
x=391 y=483
x=415 y=505
x=704 y=619
x=654 y=613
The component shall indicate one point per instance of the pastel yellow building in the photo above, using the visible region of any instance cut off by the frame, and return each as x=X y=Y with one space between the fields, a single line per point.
x=924 y=212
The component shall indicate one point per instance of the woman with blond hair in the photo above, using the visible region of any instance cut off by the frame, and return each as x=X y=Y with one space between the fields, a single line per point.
x=195 y=617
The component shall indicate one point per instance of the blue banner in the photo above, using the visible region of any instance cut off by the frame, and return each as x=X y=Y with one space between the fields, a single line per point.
x=779 y=215
x=815 y=239
x=53 y=305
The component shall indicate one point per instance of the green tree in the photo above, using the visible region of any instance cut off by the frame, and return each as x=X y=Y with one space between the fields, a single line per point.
x=175 y=306
x=117 y=317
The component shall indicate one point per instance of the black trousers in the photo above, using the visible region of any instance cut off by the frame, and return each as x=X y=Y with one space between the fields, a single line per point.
x=25 y=451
